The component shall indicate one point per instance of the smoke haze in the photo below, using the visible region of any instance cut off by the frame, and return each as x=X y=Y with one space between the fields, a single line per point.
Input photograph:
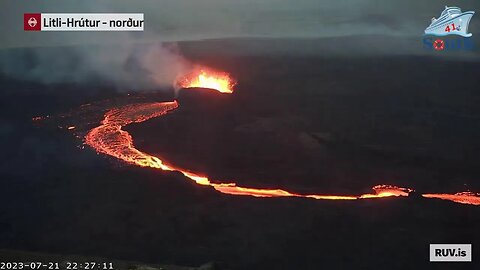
x=128 y=67
x=123 y=57
x=176 y=20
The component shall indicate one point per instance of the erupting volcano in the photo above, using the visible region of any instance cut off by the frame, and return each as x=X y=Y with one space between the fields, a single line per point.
x=110 y=139
x=206 y=78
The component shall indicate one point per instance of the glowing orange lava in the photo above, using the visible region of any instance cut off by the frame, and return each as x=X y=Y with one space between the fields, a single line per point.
x=206 y=78
x=461 y=197
x=110 y=139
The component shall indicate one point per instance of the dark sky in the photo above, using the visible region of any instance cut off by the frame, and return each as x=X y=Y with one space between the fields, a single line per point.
x=172 y=20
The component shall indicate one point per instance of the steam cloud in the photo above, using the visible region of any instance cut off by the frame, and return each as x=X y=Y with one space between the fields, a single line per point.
x=117 y=59
x=126 y=66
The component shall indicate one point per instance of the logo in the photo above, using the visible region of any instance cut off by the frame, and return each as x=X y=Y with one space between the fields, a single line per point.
x=83 y=21
x=32 y=22
x=450 y=252
x=439 y=45
x=452 y=21
x=449 y=31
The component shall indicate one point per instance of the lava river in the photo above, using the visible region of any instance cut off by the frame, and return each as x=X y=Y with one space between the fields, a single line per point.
x=109 y=138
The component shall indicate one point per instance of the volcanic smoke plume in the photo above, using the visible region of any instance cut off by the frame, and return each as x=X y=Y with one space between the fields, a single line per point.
x=126 y=66
x=110 y=139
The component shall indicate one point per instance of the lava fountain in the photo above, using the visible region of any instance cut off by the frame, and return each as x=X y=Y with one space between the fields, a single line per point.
x=207 y=78
x=109 y=138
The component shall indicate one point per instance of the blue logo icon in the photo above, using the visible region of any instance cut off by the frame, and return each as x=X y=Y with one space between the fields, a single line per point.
x=452 y=22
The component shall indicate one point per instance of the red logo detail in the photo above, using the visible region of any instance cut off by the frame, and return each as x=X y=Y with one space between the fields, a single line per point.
x=439 y=45
x=32 y=21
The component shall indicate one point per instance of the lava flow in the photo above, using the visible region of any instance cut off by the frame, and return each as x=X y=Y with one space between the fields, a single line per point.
x=460 y=197
x=110 y=139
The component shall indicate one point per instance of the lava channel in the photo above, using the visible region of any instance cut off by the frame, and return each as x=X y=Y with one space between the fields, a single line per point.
x=109 y=138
